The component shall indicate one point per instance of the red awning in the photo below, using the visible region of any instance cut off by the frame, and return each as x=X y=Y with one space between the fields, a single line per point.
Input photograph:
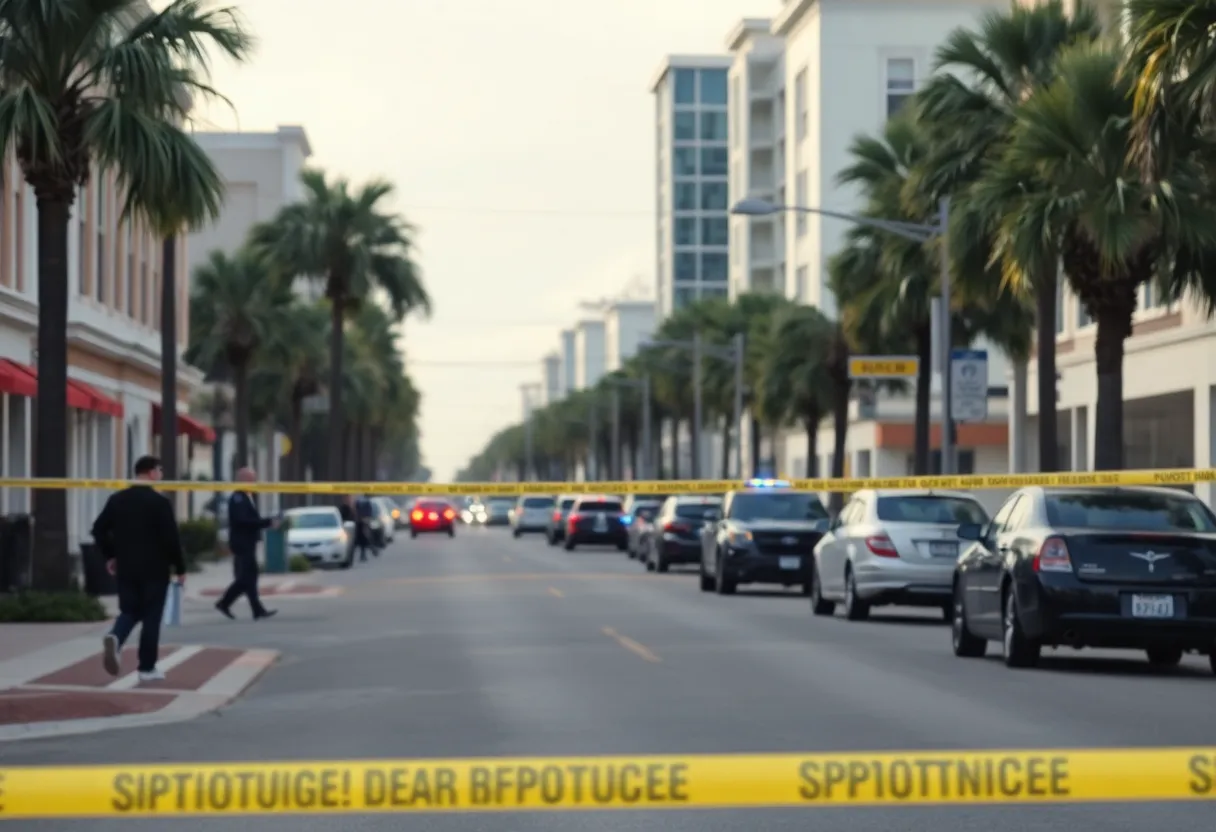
x=81 y=396
x=186 y=426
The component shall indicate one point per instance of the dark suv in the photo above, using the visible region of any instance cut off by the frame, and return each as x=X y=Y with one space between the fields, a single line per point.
x=596 y=520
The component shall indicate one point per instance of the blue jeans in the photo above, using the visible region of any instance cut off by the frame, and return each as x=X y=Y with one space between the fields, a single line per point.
x=141 y=601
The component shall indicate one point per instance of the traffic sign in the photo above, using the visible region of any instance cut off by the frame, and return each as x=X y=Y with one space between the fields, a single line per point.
x=969 y=385
x=883 y=366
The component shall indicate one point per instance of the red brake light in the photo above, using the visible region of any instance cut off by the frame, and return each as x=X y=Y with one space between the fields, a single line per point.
x=574 y=518
x=557 y=516
x=882 y=546
x=432 y=516
x=1053 y=556
x=416 y=515
x=673 y=528
x=449 y=514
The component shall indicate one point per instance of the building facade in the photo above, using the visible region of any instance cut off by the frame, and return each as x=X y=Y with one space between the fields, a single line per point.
x=627 y=325
x=569 y=360
x=692 y=166
x=551 y=389
x=589 y=355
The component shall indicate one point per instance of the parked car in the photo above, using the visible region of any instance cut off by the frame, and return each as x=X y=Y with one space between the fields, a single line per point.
x=674 y=537
x=556 y=532
x=531 y=514
x=639 y=516
x=384 y=515
x=498 y=511
x=1122 y=568
x=595 y=520
x=892 y=547
x=319 y=534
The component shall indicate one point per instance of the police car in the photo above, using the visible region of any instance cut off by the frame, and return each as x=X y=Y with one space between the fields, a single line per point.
x=767 y=535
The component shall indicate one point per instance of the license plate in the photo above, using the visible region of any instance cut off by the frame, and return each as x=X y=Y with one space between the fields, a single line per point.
x=943 y=549
x=1152 y=606
x=791 y=563
x=601 y=525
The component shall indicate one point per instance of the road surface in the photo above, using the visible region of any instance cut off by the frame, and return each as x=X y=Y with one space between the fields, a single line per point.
x=488 y=646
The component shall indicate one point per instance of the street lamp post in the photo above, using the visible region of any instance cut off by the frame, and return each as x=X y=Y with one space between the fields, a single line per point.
x=918 y=232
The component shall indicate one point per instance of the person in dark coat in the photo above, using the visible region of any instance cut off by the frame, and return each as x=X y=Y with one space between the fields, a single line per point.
x=137 y=534
x=365 y=512
x=245 y=527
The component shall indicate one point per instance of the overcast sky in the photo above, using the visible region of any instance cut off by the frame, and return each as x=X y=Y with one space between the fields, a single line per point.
x=520 y=136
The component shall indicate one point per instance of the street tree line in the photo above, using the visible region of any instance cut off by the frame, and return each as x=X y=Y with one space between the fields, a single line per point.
x=1067 y=153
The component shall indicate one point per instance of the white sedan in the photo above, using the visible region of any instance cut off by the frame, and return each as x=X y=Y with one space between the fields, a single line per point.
x=319 y=534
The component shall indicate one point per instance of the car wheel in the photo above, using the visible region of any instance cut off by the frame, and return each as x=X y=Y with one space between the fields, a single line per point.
x=819 y=604
x=1164 y=656
x=660 y=563
x=552 y=539
x=413 y=533
x=966 y=644
x=649 y=565
x=569 y=547
x=1020 y=651
x=855 y=608
x=451 y=532
x=707 y=582
x=723 y=584
x=1212 y=661
x=516 y=534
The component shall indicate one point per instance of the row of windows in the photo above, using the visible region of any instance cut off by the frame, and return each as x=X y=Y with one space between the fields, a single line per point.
x=714 y=231
x=707 y=196
x=699 y=86
x=688 y=295
x=706 y=161
x=1147 y=297
x=706 y=125
x=708 y=266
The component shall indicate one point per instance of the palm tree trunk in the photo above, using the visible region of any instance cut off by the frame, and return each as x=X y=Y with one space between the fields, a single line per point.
x=726 y=432
x=240 y=374
x=168 y=358
x=924 y=381
x=51 y=568
x=812 y=445
x=350 y=445
x=755 y=443
x=1113 y=327
x=675 y=448
x=840 y=425
x=217 y=451
x=1045 y=346
x=336 y=426
x=295 y=460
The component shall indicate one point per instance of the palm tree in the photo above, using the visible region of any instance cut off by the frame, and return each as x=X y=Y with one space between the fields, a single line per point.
x=1067 y=157
x=237 y=305
x=968 y=108
x=99 y=86
x=795 y=384
x=347 y=239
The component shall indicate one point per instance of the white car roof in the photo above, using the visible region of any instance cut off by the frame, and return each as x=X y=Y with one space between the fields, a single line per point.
x=313 y=510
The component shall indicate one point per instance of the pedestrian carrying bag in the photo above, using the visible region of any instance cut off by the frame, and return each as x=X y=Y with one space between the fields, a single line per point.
x=173 y=605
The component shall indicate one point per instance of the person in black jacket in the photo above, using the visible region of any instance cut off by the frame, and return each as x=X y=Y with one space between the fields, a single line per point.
x=245 y=526
x=137 y=533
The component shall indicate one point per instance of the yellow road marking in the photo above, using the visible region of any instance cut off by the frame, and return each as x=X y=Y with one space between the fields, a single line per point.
x=639 y=650
x=556 y=593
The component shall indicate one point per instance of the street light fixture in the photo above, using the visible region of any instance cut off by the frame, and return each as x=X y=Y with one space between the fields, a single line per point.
x=919 y=233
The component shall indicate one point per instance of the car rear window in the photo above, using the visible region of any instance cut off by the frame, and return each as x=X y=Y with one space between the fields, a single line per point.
x=567 y=503
x=646 y=512
x=1129 y=511
x=538 y=502
x=432 y=506
x=698 y=511
x=930 y=508
x=768 y=505
x=600 y=505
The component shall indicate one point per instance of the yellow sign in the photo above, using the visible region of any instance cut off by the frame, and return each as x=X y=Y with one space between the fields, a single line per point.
x=721 y=782
x=878 y=366
x=285 y=445
x=1094 y=479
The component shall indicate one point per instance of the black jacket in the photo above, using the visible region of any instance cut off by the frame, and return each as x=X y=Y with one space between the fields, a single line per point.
x=138 y=529
x=245 y=524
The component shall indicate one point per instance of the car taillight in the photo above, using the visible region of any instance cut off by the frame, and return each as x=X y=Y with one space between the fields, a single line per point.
x=449 y=515
x=416 y=515
x=557 y=517
x=573 y=519
x=432 y=516
x=1052 y=556
x=882 y=546
x=677 y=528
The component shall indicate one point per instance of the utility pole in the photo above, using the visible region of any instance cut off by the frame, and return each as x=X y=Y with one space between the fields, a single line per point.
x=696 y=406
x=738 y=429
x=943 y=220
x=615 y=473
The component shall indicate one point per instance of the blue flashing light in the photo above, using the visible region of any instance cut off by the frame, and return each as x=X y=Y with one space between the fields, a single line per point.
x=767 y=483
x=626 y=519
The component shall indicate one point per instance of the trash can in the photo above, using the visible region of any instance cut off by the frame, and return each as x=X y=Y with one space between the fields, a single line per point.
x=97 y=579
x=276 y=551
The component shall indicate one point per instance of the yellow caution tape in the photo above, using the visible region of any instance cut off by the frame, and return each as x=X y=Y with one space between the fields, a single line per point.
x=1109 y=479
x=735 y=781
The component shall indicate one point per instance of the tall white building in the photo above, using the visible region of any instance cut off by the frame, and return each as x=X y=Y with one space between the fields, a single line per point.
x=551 y=389
x=569 y=361
x=589 y=356
x=757 y=156
x=692 y=163
x=627 y=325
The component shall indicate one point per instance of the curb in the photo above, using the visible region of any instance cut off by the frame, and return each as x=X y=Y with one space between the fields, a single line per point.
x=222 y=689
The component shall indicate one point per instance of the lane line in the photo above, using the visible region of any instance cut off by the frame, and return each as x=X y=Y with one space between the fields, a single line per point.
x=556 y=593
x=639 y=650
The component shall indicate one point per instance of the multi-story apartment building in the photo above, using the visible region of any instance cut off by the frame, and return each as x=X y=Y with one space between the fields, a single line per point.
x=551 y=389
x=589 y=356
x=757 y=156
x=627 y=325
x=692 y=161
x=569 y=359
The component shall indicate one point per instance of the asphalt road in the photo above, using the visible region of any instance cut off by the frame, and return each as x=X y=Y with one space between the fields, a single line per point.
x=489 y=646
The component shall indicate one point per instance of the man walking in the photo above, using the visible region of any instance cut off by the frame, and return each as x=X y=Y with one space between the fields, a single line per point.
x=137 y=533
x=245 y=525
x=365 y=512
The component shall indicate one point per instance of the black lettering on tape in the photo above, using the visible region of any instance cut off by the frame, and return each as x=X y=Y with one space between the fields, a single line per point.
x=423 y=787
x=2 y=778
x=808 y=775
x=571 y=785
x=1202 y=768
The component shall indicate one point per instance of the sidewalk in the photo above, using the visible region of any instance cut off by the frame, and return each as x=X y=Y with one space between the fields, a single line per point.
x=52 y=682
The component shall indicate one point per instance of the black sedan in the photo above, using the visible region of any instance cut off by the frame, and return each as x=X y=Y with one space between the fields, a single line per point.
x=1123 y=568
x=596 y=520
x=674 y=537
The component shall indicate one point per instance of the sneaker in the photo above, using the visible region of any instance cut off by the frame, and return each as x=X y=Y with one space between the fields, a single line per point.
x=111 y=657
x=153 y=675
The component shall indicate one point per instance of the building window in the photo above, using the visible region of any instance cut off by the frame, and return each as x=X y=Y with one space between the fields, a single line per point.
x=686 y=231
x=715 y=161
x=715 y=231
x=715 y=127
x=714 y=267
x=713 y=87
x=901 y=83
x=685 y=162
x=714 y=292
x=714 y=196
x=145 y=300
x=686 y=267
x=683 y=296
x=685 y=86
x=800 y=280
x=685 y=126
x=1059 y=304
x=82 y=215
x=99 y=284
x=686 y=196
x=800 y=198
x=800 y=108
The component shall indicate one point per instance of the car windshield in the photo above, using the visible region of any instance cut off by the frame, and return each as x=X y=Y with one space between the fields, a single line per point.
x=785 y=505
x=538 y=502
x=432 y=506
x=699 y=511
x=315 y=520
x=930 y=508
x=1130 y=511
x=646 y=512
x=601 y=506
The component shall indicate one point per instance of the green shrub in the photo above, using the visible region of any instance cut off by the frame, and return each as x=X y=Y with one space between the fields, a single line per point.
x=299 y=563
x=200 y=539
x=50 y=607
